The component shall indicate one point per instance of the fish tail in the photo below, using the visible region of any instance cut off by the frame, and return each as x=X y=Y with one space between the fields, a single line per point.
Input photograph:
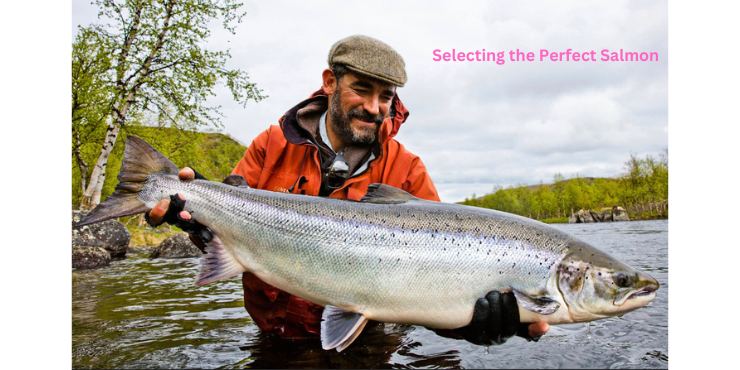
x=139 y=161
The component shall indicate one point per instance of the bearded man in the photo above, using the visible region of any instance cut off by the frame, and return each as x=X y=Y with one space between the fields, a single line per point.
x=335 y=144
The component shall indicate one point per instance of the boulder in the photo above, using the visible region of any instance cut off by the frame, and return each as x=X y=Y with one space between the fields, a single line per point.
x=615 y=213
x=606 y=215
x=619 y=214
x=110 y=235
x=88 y=257
x=584 y=217
x=176 y=246
x=573 y=219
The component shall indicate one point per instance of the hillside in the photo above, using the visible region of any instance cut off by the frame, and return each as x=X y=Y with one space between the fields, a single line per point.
x=642 y=190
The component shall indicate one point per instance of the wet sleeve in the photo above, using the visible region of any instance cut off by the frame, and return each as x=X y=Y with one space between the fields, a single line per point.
x=250 y=166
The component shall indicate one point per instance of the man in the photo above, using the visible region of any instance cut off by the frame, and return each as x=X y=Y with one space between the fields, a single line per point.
x=335 y=144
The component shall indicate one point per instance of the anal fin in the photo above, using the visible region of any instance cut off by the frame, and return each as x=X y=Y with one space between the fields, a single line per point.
x=540 y=305
x=218 y=264
x=339 y=327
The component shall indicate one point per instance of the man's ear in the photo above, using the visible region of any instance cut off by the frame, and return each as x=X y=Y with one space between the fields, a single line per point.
x=330 y=81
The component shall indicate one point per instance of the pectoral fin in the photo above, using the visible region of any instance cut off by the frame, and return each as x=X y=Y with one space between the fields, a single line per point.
x=218 y=264
x=339 y=327
x=540 y=305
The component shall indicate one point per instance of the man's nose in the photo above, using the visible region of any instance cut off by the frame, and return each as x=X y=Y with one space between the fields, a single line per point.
x=371 y=105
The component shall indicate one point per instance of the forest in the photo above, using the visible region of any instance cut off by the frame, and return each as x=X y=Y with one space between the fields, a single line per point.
x=642 y=189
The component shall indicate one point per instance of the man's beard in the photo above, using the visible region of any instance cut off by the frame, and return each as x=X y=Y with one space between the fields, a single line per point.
x=340 y=122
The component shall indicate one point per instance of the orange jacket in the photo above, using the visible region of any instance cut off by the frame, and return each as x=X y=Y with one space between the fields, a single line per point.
x=282 y=156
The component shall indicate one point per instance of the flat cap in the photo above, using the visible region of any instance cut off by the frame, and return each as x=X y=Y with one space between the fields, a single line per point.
x=370 y=57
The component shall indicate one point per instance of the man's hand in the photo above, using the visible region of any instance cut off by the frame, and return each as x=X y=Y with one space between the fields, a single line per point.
x=496 y=319
x=172 y=211
x=156 y=215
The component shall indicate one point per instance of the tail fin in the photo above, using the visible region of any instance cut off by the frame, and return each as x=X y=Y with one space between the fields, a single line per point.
x=139 y=161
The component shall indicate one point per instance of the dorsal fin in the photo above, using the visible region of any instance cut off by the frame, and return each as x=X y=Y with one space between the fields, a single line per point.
x=386 y=194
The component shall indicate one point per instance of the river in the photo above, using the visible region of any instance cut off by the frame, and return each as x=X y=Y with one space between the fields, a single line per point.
x=142 y=313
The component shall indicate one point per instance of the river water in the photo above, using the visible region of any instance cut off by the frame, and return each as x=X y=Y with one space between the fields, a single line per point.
x=142 y=313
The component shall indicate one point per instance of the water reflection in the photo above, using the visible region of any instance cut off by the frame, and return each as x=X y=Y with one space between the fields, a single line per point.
x=373 y=349
x=141 y=313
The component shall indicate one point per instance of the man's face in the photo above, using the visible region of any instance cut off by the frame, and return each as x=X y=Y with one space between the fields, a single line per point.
x=359 y=105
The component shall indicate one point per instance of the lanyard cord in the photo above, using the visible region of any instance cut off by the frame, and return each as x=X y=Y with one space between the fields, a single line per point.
x=299 y=171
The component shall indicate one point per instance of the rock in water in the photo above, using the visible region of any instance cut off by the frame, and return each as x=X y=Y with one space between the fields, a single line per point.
x=573 y=219
x=585 y=217
x=110 y=235
x=176 y=246
x=619 y=214
x=606 y=215
x=88 y=257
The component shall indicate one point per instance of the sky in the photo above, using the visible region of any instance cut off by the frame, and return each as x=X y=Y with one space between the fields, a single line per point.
x=474 y=124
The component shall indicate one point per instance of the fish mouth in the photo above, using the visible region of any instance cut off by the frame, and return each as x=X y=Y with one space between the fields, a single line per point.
x=643 y=292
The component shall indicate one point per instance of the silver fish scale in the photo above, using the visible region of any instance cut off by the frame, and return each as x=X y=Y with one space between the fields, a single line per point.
x=418 y=262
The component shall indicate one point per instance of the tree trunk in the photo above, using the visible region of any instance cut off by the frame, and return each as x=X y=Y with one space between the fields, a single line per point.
x=80 y=163
x=91 y=197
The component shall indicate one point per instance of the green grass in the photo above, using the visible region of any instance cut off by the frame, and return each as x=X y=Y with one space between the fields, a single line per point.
x=147 y=237
x=555 y=220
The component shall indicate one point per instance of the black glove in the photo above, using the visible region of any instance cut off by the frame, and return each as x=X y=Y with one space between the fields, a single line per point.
x=495 y=320
x=172 y=217
x=199 y=234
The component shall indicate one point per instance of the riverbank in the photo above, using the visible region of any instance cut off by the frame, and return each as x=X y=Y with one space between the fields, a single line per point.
x=555 y=220
x=649 y=216
x=640 y=216
x=144 y=237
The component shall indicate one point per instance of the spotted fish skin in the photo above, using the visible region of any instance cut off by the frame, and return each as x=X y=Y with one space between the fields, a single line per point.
x=416 y=262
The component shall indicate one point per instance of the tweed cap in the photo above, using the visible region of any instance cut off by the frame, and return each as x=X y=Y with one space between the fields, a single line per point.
x=370 y=57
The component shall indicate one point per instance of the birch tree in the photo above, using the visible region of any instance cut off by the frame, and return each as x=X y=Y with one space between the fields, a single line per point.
x=159 y=64
x=91 y=96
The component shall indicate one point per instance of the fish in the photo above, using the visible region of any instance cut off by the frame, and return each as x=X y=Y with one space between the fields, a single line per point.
x=390 y=257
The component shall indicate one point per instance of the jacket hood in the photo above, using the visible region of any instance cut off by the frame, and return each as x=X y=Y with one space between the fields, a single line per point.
x=388 y=129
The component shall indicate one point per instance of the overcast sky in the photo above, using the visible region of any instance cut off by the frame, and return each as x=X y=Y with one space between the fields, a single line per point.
x=474 y=124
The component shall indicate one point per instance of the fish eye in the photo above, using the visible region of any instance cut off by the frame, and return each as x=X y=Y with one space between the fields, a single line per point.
x=623 y=280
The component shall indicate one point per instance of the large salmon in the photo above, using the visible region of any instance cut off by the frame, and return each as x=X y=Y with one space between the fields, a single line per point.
x=390 y=257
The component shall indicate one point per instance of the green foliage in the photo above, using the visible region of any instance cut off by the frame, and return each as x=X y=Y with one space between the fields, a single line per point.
x=555 y=220
x=91 y=98
x=160 y=63
x=91 y=93
x=643 y=185
x=213 y=155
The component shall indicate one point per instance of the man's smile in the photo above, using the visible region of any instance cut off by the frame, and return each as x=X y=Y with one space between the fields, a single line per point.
x=364 y=124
